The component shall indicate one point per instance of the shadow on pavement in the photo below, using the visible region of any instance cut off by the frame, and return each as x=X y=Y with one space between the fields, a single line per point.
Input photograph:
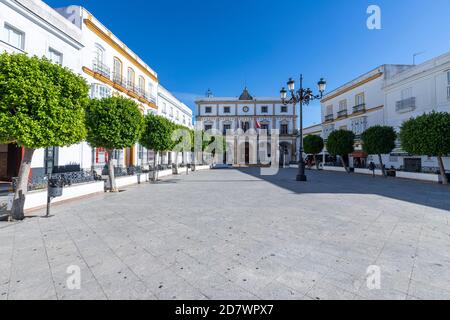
x=422 y=193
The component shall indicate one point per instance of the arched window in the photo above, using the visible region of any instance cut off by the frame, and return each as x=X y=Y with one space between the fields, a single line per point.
x=117 y=70
x=141 y=85
x=131 y=76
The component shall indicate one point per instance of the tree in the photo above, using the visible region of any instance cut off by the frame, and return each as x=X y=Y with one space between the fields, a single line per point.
x=157 y=136
x=313 y=145
x=341 y=143
x=429 y=135
x=215 y=144
x=113 y=123
x=42 y=105
x=182 y=141
x=379 y=140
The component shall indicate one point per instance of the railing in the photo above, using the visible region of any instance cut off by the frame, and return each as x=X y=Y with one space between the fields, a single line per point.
x=359 y=108
x=405 y=104
x=101 y=68
x=149 y=97
x=329 y=118
x=67 y=178
x=119 y=79
x=342 y=114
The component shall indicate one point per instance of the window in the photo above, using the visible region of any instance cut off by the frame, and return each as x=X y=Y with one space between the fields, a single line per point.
x=264 y=109
x=99 y=53
x=265 y=126
x=448 y=84
x=117 y=69
x=342 y=105
x=359 y=99
x=226 y=127
x=327 y=130
x=406 y=93
x=14 y=37
x=246 y=126
x=359 y=125
x=284 y=129
x=284 y=109
x=208 y=109
x=208 y=127
x=164 y=108
x=55 y=56
x=178 y=115
x=226 y=110
x=184 y=119
x=329 y=110
x=131 y=76
x=171 y=112
x=100 y=91
x=141 y=84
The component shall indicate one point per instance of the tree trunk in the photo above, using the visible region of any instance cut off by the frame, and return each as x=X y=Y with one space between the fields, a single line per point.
x=315 y=161
x=155 y=165
x=17 y=212
x=441 y=166
x=176 y=162
x=383 y=170
x=112 y=177
x=345 y=165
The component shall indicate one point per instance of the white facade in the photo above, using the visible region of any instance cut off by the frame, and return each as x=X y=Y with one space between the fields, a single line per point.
x=32 y=27
x=74 y=38
x=247 y=112
x=422 y=89
x=177 y=112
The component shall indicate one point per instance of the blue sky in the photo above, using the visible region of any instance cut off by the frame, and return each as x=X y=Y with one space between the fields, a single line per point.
x=223 y=45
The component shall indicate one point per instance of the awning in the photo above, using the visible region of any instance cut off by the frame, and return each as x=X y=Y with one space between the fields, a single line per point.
x=359 y=154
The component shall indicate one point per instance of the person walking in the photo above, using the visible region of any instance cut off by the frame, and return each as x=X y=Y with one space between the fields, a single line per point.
x=372 y=168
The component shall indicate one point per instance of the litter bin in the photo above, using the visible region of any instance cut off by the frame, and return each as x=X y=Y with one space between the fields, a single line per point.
x=55 y=188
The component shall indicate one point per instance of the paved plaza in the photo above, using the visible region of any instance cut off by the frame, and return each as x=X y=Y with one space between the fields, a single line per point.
x=232 y=234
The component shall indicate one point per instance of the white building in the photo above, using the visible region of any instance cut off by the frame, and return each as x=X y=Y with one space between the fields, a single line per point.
x=111 y=69
x=357 y=105
x=246 y=112
x=177 y=112
x=32 y=27
x=418 y=90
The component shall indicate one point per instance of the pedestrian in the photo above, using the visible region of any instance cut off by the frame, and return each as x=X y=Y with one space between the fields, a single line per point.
x=372 y=168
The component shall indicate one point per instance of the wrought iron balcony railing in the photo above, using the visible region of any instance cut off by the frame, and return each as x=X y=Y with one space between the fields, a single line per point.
x=119 y=79
x=405 y=104
x=101 y=68
x=329 y=118
x=342 y=114
x=359 y=108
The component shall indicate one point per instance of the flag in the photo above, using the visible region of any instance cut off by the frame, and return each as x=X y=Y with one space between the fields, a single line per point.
x=257 y=124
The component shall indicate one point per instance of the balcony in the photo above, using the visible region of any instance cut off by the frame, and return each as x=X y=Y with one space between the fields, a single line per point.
x=329 y=118
x=101 y=68
x=119 y=79
x=405 y=105
x=149 y=97
x=360 y=108
x=131 y=86
x=342 y=114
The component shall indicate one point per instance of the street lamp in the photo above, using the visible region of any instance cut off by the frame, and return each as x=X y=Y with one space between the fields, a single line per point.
x=303 y=97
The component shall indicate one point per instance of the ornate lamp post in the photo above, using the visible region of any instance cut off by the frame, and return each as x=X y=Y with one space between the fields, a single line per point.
x=303 y=97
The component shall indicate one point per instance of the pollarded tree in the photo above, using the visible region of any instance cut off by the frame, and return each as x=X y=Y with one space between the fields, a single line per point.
x=428 y=135
x=42 y=105
x=157 y=136
x=341 y=143
x=313 y=145
x=113 y=123
x=379 y=140
x=182 y=141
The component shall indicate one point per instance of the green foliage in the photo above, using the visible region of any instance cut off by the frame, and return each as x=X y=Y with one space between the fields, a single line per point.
x=42 y=104
x=379 y=140
x=313 y=144
x=157 y=134
x=182 y=138
x=341 y=143
x=113 y=123
x=428 y=134
x=215 y=144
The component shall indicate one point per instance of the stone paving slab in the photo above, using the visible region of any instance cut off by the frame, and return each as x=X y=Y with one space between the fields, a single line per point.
x=233 y=234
